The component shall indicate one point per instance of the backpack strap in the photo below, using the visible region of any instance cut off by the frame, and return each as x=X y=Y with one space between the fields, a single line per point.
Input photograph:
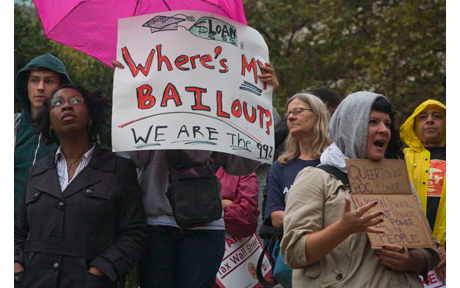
x=277 y=235
x=334 y=171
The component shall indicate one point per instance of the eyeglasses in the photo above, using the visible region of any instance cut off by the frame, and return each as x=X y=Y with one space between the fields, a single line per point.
x=296 y=112
x=58 y=101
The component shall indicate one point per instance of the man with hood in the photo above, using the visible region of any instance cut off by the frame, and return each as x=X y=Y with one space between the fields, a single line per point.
x=424 y=132
x=34 y=83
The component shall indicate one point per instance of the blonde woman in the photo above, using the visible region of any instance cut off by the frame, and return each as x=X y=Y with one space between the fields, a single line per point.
x=307 y=119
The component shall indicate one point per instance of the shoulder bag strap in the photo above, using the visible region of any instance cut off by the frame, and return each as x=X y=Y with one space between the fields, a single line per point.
x=334 y=171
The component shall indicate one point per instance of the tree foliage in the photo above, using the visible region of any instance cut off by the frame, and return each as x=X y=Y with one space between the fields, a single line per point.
x=396 y=48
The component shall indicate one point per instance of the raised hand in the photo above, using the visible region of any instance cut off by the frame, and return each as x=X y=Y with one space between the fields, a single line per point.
x=360 y=220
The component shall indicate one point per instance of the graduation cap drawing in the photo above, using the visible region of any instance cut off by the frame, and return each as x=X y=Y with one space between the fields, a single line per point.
x=165 y=23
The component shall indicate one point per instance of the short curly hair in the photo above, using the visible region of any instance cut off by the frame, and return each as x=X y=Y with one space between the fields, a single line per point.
x=95 y=103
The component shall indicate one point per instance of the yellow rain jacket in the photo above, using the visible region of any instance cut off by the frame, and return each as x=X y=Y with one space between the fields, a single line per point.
x=418 y=166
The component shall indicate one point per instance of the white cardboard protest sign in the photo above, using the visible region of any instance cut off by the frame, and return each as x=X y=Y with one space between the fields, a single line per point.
x=433 y=281
x=239 y=264
x=191 y=82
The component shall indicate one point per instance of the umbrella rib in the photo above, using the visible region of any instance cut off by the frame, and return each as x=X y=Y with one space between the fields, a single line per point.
x=136 y=8
x=166 y=4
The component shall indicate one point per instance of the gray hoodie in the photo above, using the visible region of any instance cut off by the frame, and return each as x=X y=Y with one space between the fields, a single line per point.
x=348 y=129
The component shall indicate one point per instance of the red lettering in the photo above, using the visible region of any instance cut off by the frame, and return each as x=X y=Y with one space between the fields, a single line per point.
x=170 y=93
x=270 y=122
x=224 y=66
x=181 y=60
x=261 y=115
x=251 y=119
x=162 y=59
x=217 y=51
x=197 y=93
x=192 y=60
x=145 y=99
x=230 y=242
x=204 y=59
x=251 y=66
x=220 y=111
x=132 y=67
x=432 y=278
x=236 y=108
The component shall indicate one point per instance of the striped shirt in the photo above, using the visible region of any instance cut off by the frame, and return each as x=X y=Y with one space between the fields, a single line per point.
x=61 y=166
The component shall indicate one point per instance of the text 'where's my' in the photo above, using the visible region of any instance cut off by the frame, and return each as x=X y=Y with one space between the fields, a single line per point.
x=148 y=96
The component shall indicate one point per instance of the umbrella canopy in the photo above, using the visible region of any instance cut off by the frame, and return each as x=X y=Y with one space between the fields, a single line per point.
x=90 y=26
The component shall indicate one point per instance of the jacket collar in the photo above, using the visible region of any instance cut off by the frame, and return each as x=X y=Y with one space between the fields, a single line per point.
x=101 y=160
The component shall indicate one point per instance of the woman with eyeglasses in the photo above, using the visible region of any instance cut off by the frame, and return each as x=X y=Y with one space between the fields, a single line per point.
x=307 y=118
x=81 y=222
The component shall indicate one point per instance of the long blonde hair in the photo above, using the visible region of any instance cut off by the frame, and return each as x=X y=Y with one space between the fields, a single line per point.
x=321 y=139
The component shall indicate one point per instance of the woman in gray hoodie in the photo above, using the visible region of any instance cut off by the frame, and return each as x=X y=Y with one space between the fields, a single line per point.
x=323 y=240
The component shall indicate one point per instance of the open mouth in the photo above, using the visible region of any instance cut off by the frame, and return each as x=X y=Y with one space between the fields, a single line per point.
x=379 y=143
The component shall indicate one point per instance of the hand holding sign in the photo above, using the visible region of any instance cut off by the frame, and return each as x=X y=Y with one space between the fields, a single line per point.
x=393 y=256
x=117 y=64
x=400 y=258
x=269 y=76
x=355 y=221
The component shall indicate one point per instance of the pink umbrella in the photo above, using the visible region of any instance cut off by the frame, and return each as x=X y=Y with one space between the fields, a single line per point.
x=90 y=26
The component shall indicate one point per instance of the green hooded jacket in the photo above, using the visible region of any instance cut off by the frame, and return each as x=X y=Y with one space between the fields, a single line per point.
x=29 y=146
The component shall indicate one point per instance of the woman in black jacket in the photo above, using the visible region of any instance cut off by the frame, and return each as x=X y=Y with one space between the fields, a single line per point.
x=81 y=222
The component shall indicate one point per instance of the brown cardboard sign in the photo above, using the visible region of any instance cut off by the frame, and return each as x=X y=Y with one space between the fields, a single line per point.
x=404 y=222
x=378 y=177
x=387 y=183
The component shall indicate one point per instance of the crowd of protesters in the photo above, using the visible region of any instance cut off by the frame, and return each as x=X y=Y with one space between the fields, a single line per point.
x=85 y=216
